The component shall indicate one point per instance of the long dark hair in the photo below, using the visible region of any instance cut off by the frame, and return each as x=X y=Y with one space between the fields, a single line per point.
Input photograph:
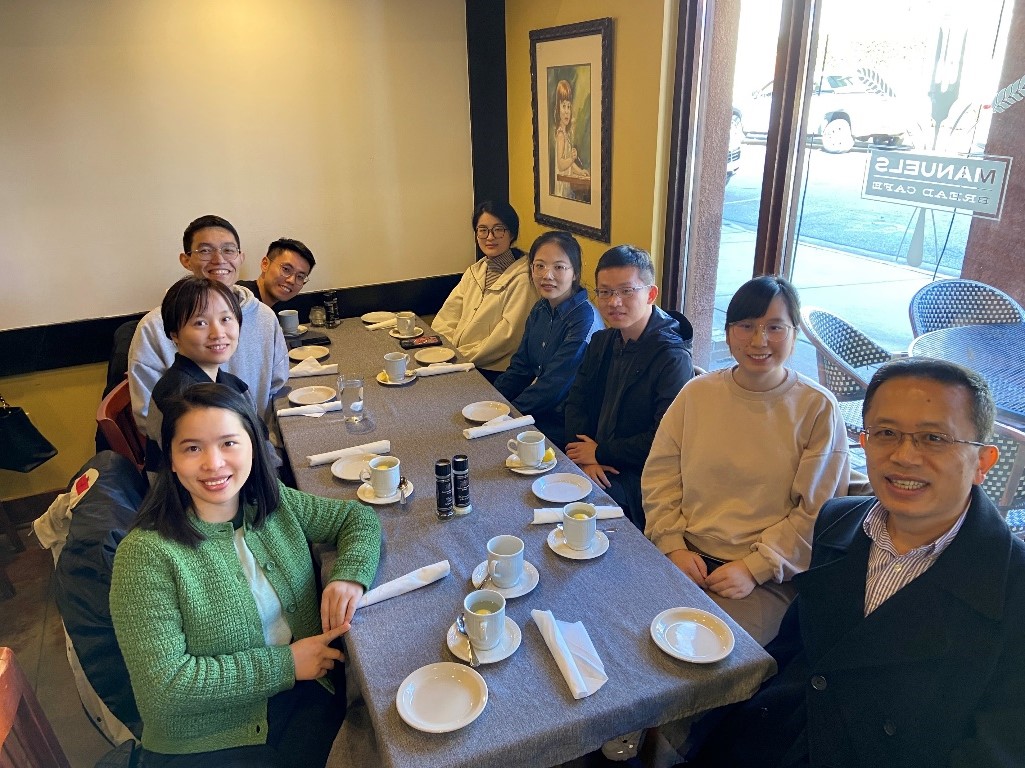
x=166 y=507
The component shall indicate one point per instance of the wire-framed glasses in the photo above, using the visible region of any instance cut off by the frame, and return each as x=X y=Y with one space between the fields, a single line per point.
x=207 y=252
x=744 y=330
x=927 y=442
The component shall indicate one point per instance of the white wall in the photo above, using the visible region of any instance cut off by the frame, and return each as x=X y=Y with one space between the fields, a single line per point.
x=343 y=123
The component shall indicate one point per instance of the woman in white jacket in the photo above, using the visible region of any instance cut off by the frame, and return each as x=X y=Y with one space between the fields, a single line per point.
x=485 y=314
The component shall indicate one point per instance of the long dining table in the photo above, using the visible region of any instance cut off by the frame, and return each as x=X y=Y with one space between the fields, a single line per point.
x=531 y=717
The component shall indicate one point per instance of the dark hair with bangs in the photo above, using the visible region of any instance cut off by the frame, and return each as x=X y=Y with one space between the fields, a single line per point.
x=983 y=409
x=205 y=222
x=753 y=298
x=297 y=247
x=502 y=211
x=190 y=296
x=166 y=507
x=565 y=243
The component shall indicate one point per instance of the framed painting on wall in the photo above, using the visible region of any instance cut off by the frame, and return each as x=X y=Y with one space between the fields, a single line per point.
x=571 y=90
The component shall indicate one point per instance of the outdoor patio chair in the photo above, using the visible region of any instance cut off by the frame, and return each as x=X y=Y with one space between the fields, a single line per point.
x=1005 y=482
x=953 y=303
x=841 y=349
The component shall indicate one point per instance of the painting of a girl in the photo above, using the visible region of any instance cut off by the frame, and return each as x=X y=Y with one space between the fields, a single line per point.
x=567 y=161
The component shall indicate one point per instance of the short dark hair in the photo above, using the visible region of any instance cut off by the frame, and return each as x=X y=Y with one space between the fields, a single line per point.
x=753 y=298
x=568 y=245
x=627 y=256
x=983 y=409
x=502 y=211
x=166 y=507
x=203 y=222
x=283 y=244
x=190 y=296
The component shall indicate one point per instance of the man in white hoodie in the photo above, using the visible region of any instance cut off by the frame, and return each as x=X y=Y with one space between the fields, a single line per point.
x=211 y=248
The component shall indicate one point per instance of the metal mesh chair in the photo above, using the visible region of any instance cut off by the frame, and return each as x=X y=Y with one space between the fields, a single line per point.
x=953 y=303
x=841 y=349
x=1005 y=482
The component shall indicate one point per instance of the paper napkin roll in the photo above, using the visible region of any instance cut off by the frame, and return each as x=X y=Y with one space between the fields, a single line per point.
x=381 y=326
x=311 y=410
x=421 y=577
x=574 y=653
x=311 y=367
x=493 y=427
x=554 y=514
x=440 y=368
x=381 y=446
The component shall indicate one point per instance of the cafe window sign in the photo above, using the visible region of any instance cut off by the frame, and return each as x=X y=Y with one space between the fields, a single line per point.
x=975 y=184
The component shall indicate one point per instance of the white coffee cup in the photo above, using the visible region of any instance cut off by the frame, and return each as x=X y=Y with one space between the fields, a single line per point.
x=395 y=366
x=485 y=629
x=505 y=561
x=289 y=319
x=405 y=323
x=383 y=475
x=529 y=447
x=579 y=521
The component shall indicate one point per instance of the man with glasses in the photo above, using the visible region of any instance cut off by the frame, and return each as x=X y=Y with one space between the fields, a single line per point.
x=904 y=645
x=211 y=248
x=283 y=272
x=631 y=372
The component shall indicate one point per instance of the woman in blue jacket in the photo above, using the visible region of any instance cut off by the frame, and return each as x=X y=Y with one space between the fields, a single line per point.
x=556 y=335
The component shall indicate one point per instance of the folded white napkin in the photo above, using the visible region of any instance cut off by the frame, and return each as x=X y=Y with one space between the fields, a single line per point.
x=421 y=577
x=439 y=368
x=574 y=653
x=381 y=326
x=318 y=409
x=501 y=424
x=381 y=446
x=554 y=514
x=310 y=367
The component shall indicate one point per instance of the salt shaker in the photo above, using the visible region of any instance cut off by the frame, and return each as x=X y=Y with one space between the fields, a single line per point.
x=443 y=488
x=461 y=484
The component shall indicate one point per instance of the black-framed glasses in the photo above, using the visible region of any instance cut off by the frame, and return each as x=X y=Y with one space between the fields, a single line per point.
x=745 y=330
x=498 y=231
x=288 y=273
x=927 y=442
x=605 y=294
x=207 y=252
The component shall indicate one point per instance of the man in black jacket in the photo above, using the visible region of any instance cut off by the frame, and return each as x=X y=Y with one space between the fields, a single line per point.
x=630 y=374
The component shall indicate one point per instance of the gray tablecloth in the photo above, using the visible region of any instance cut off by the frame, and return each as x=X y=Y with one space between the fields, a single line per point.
x=531 y=718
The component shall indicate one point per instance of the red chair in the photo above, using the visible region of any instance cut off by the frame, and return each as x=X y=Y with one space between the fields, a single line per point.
x=116 y=422
x=26 y=738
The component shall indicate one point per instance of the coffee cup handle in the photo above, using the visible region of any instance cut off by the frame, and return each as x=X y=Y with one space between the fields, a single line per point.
x=513 y=445
x=364 y=475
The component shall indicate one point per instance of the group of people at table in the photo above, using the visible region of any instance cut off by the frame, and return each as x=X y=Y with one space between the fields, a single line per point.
x=896 y=619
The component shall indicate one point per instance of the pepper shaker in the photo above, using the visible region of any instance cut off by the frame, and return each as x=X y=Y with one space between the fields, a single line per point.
x=461 y=484
x=443 y=488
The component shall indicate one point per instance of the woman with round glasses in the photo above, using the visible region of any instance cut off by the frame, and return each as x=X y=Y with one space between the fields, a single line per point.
x=741 y=463
x=558 y=328
x=484 y=315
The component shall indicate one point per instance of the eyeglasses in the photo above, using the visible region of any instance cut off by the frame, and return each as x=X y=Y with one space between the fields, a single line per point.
x=927 y=442
x=604 y=294
x=745 y=330
x=206 y=252
x=287 y=272
x=541 y=268
x=498 y=231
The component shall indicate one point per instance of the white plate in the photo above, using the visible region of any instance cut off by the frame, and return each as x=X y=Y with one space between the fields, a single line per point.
x=526 y=584
x=513 y=462
x=377 y=317
x=459 y=644
x=298 y=332
x=486 y=410
x=434 y=355
x=561 y=488
x=383 y=380
x=301 y=353
x=310 y=395
x=418 y=331
x=692 y=635
x=441 y=697
x=557 y=541
x=366 y=493
x=349 y=467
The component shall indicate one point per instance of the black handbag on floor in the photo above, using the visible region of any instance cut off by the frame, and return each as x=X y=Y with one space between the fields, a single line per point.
x=22 y=447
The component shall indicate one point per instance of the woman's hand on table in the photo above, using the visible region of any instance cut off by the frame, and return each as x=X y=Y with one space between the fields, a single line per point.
x=691 y=563
x=597 y=473
x=338 y=604
x=732 y=580
x=314 y=656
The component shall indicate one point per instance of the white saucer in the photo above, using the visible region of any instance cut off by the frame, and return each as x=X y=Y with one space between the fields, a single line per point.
x=485 y=410
x=441 y=697
x=557 y=541
x=562 y=487
x=310 y=395
x=418 y=331
x=301 y=353
x=302 y=329
x=383 y=380
x=525 y=585
x=434 y=355
x=511 y=638
x=377 y=317
x=513 y=463
x=692 y=635
x=366 y=494
x=349 y=467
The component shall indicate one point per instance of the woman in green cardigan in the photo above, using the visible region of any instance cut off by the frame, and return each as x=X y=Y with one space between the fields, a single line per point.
x=214 y=600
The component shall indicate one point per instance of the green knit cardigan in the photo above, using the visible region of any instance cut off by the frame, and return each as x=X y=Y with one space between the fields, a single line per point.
x=188 y=625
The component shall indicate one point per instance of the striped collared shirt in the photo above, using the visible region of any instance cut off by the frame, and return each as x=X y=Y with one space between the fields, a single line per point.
x=497 y=265
x=888 y=571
